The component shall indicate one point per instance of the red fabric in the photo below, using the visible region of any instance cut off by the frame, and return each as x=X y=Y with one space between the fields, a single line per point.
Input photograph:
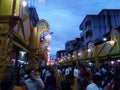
x=81 y=72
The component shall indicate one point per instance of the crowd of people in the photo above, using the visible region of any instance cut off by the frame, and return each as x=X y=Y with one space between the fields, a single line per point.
x=69 y=77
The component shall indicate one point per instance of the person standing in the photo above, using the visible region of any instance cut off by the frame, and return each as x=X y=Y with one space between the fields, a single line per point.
x=50 y=81
x=96 y=84
x=68 y=83
x=77 y=77
x=33 y=83
x=58 y=79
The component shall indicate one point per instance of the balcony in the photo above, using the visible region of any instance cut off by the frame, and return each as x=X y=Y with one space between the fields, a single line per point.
x=89 y=27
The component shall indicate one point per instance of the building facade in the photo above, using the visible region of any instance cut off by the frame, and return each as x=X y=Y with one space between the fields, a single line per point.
x=72 y=46
x=90 y=46
x=95 y=27
x=20 y=34
x=60 y=54
x=15 y=30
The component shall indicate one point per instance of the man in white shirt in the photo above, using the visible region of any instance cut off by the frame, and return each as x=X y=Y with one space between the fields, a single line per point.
x=66 y=71
x=77 y=76
x=96 y=84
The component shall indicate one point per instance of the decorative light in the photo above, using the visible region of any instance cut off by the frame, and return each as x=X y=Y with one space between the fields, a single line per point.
x=112 y=42
x=118 y=60
x=48 y=48
x=112 y=62
x=48 y=53
x=48 y=38
x=104 y=39
x=89 y=50
x=73 y=56
x=80 y=53
x=68 y=57
x=24 y=3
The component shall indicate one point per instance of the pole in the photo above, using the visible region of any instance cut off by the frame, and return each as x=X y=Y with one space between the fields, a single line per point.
x=96 y=57
x=84 y=58
x=13 y=7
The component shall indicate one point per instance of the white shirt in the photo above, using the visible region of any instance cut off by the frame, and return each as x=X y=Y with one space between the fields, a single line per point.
x=66 y=71
x=76 y=73
x=59 y=71
x=93 y=86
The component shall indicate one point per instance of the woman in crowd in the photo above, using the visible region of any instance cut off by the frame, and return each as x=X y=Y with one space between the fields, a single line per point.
x=57 y=76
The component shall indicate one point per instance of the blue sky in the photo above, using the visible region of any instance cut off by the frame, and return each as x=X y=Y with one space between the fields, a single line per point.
x=65 y=16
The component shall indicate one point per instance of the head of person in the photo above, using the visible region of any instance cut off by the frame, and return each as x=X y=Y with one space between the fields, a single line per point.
x=33 y=74
x=20 y=80
x=87 y=76
x=97 y=79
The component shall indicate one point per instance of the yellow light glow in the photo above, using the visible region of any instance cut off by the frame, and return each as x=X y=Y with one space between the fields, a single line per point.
x=89 y=50
x=112 y=42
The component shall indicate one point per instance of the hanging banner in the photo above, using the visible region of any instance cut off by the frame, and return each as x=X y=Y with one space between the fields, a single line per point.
x=42 y=26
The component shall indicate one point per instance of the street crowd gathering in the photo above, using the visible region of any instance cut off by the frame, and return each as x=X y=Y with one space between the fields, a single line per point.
x=69 y=77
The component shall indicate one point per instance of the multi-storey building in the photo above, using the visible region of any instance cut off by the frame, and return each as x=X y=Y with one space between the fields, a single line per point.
x=95 y=27
x=60 y=54
x=72 y=46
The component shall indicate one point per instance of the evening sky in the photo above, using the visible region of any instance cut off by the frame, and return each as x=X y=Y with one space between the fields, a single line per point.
x=65 y=16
